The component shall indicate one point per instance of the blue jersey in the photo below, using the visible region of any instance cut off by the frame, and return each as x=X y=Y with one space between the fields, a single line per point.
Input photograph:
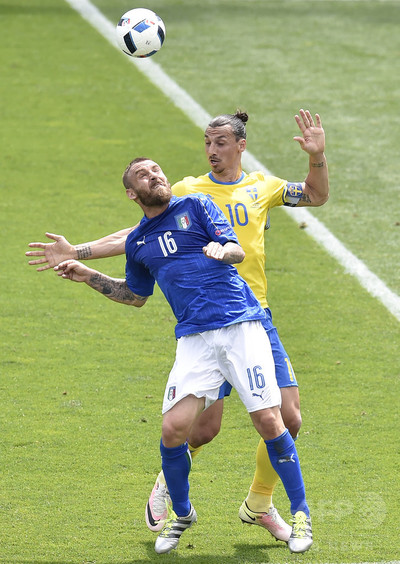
x=204 y=293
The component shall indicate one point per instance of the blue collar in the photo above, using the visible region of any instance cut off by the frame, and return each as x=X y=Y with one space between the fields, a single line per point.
x=211 y=177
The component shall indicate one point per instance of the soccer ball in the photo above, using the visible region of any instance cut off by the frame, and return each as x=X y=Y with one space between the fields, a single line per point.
x=140 y=33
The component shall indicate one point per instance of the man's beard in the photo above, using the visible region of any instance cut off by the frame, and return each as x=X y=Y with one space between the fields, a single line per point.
x=157 y=198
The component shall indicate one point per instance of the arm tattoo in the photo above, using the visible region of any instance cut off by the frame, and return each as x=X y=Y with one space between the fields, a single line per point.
x=84 y=251
x=317 y=165
x=305 y=198
x=114 y=288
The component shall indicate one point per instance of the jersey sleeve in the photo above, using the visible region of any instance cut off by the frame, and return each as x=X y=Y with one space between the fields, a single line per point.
x=272 y=190
x=139 y=279
x=216 y=224
x=282 y=192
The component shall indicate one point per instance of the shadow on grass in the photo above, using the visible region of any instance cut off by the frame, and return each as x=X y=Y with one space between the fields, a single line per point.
x=256 y=554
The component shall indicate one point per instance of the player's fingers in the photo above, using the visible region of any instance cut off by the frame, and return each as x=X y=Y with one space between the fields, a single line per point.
x=67 y=269
x=211 y=250
x=46 y=267
x=308 y=119
x=216 y=247
x=38 y=245
x=53 y=236
x=318 y=120
x=65 y=264
x=300 y=122
x=218 y=252
x=37 y=261
x=299 y=140
x=34 y=254
x=303 y=115
x=61 y=271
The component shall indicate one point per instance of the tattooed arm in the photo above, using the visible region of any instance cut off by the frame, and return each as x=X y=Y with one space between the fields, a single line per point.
x=60 y=249
x=115 y=289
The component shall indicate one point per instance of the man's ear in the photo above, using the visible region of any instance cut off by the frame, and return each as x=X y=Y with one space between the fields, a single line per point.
x=242 y=145
x=131 y=194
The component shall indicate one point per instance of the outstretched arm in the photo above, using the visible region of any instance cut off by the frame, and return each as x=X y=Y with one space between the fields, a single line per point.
x=60 y=250
x=312 y=141
x=113 y=288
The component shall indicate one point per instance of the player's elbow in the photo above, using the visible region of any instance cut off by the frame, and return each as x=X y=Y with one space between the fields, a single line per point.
x=315 y=194
x=321 y=199
x=241 y=255
x=233 y=253
x=316 y=198
x=138 y=302
x=236 y=256
x=238 y=253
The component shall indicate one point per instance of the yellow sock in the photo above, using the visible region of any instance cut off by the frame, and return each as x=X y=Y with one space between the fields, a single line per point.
x=194 y=451
x=264 y=481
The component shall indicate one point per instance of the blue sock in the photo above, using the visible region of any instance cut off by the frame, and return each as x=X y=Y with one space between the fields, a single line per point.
x=283 y=456
x=176 y=464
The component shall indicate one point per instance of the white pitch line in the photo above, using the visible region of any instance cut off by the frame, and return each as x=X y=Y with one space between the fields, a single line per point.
x=353 y=265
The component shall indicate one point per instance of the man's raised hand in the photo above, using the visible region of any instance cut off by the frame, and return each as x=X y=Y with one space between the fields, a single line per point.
x=51 y=253
x=312 y=140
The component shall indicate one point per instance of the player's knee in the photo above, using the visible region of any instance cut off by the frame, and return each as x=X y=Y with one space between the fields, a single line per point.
x=207 y=425
x=203 y=434
x=293 y=422
x=268 y=422
x=290 y=410
x=173 y=434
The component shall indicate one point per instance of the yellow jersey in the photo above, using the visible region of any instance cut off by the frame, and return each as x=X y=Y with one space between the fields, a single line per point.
x=245 y=203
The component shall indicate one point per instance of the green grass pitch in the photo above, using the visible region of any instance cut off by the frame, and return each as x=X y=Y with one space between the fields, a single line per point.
x=81 y=378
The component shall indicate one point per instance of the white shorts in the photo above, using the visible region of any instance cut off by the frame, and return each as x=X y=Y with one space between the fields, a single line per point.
x=240 y=353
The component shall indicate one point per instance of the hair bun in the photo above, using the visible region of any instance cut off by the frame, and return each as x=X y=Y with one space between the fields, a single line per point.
x=242 y=116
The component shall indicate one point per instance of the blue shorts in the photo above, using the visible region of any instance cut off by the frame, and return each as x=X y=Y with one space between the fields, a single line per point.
x=285 y=375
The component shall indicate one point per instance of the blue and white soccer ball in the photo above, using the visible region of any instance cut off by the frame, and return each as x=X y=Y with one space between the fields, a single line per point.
x=140 y=33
